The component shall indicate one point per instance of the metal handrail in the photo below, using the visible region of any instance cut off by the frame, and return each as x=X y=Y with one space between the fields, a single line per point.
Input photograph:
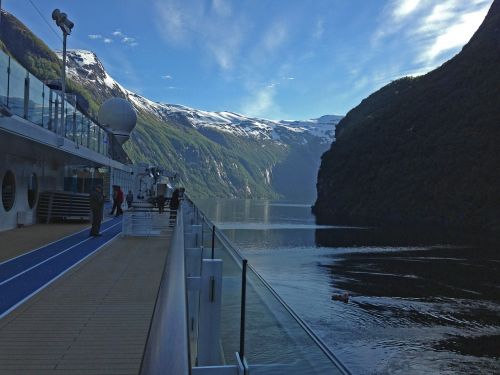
x=235 y=253
x=167 y=347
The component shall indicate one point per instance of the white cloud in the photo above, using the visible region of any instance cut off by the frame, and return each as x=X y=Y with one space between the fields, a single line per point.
x=404 y=8
x=117 y=33
x=107 y=40
x=166 y=76
x=275 y=36
x=261 y=103
x=129 y=41
x=448 y=27
x=95 y=36
x=430 y=29
x=213 y=29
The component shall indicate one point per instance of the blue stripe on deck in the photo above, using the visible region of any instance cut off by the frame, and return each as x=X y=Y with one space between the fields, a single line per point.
x=23 y=276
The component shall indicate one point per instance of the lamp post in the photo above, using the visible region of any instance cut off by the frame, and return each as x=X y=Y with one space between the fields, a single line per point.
x=66 y=25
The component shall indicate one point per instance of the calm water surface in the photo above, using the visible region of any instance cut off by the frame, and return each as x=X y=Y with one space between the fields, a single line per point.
x=420 y=302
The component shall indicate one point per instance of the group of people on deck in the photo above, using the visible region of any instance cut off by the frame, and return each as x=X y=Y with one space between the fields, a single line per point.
x=97 y=199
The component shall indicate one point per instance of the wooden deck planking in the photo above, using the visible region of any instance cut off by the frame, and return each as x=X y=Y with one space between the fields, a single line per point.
x=93 y=320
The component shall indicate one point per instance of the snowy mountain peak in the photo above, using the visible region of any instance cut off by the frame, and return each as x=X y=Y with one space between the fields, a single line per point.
x=85 y=67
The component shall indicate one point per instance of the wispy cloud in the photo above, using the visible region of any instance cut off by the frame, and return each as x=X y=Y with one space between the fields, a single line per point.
x=319 y=29
x=275 y=36
x=448 y=26
x=166 y=76
x=430 y=29
x=117 y=33
x=107 y=40
x=404 y=8
x=129 y=41
x=95 y=36
x=261 y=103
x=211 y=27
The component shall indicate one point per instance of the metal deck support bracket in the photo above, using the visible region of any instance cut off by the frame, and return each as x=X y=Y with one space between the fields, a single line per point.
x=210 y=313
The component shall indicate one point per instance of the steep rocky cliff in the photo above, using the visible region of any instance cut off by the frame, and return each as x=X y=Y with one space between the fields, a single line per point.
x=422 y=150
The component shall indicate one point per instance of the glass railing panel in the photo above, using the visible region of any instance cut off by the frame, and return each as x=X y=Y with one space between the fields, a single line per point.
x=46 y=107
x=231 y=291
x=16 y=88
x=93 y=137
x=79 y=118
x=99 y=145
x=4 y=77
x=35 y=104
x=275 y=342
x=104 y=143
x=70 y=120
x=86 y=131
x=55 y=112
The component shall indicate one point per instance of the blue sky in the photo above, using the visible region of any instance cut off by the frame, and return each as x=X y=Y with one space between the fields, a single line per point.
x=278 y=59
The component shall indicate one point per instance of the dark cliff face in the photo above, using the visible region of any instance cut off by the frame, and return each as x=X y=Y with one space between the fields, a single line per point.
x=422 y=150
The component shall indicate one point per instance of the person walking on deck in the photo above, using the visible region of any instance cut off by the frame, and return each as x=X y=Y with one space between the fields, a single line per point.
x=130 y=199
x=96 y=208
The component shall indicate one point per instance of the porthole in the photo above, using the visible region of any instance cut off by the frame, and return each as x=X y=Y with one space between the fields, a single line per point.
x=8 y=190
x=32 y=190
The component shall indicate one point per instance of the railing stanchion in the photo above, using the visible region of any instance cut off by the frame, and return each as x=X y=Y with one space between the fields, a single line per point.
x=243 y=307
x=213 y=241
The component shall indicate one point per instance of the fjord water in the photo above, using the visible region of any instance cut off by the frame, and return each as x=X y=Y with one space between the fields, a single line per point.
x=421 y=301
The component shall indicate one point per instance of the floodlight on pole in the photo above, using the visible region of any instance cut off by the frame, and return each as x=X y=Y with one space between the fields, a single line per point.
x=66 y=25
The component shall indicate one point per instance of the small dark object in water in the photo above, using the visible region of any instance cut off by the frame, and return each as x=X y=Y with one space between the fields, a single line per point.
x=341 y=297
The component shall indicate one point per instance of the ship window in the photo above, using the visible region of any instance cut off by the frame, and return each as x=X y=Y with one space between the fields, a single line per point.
x=32 y=190
x=8 y=190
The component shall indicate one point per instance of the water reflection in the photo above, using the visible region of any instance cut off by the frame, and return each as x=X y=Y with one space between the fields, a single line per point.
x=421 y=300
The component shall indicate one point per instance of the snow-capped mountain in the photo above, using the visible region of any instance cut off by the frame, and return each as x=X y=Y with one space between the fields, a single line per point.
x=84 y=66
x=230 y=153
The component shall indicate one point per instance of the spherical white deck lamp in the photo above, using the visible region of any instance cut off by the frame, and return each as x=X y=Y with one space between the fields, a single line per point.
x=118 y=116
x=66 y=25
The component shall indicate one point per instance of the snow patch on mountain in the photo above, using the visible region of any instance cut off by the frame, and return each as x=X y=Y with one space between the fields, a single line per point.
x=84 y=66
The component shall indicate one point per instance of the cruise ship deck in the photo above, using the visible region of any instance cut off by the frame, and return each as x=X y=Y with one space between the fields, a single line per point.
x=91 y=319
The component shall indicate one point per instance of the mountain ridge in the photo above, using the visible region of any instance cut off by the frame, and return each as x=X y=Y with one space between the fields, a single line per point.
x=393 y=165
x=219 y=154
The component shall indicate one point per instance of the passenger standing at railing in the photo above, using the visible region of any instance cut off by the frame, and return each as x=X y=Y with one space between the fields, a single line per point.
x=130 y=199
x=96 y=209
x=160 y=201
x=119 y=197
x=174 y=205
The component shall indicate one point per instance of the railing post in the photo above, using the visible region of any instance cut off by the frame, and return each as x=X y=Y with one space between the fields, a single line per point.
x=243 y=308
x=26 y=96
x=213 y=241
x=8 y=82
x=210 y=313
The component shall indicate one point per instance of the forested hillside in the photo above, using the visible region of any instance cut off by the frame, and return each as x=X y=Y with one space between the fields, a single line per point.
x=422 y=150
